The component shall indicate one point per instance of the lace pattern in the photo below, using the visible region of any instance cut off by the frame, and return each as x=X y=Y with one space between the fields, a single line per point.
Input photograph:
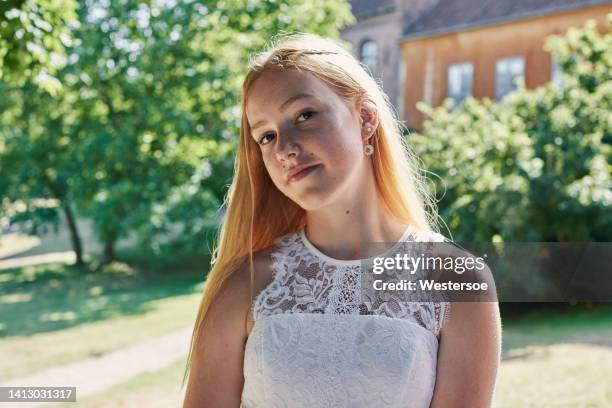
x=304 y=282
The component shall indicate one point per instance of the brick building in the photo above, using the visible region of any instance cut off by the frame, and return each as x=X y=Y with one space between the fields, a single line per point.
x=428 y=50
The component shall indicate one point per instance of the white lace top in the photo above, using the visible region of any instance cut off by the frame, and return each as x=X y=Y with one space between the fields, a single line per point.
x=319 y=341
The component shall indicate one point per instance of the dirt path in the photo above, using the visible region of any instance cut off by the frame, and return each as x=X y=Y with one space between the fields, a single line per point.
x=96 y=374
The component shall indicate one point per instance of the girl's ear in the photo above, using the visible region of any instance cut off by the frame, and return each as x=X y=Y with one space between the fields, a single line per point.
x=368 y=115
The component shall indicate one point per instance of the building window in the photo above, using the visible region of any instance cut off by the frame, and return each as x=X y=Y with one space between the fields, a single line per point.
x=460 y=81
x=507 y=71
x=368 y=55
x=555 y=73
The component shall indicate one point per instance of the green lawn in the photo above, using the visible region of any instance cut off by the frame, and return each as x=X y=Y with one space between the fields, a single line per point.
x=579 y=324
x=559 y=375
x=55 y=314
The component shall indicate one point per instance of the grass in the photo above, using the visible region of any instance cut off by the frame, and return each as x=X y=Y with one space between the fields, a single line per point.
x=55 y=314
x=586 y=324
x=558 y=375
x=44 y=298
x=13 y=244
x=555 y=358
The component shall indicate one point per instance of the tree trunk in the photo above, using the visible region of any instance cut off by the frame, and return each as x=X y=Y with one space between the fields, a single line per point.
x=74 y=233
x=109 y=251
x=61 y=196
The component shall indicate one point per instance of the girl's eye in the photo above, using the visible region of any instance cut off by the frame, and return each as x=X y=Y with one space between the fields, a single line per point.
x=307 y=113
x=261 y=142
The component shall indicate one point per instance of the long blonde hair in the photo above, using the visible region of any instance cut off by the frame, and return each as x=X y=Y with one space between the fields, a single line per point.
x=253 y=203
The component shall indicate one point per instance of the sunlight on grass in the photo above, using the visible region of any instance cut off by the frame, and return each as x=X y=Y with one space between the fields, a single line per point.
x=43 y=298
x=560 y=375
x=558 y=358
x=56 y=314
x=27 y=354
x=16 y=298
x=11 y=244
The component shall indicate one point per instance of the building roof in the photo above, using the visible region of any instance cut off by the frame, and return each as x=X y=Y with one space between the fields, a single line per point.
x=368 y=8
x=455 y=15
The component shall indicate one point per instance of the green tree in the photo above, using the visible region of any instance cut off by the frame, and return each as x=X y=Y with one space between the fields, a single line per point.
x=33 y=34
x=483 y=157
x=37 y=169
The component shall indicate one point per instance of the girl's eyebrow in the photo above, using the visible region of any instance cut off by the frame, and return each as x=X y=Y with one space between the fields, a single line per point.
x=284 y=107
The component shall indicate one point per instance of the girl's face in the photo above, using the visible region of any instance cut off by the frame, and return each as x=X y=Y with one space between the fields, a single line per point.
x=297 y=120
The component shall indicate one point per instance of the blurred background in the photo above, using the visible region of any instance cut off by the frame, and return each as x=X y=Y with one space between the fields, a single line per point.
x=118 y=129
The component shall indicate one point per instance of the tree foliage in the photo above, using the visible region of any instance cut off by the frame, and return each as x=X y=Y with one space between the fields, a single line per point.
x=33 y=37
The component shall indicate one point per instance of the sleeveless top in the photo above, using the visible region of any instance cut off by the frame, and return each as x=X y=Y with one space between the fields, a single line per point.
x=317 y=341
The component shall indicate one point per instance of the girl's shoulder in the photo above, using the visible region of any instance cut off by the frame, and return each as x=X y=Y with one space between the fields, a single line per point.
x=422 y=235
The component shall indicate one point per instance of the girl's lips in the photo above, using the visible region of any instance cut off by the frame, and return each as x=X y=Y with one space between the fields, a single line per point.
x=303 y=173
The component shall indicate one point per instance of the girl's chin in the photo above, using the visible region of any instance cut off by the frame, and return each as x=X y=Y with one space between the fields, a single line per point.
x=311 y=201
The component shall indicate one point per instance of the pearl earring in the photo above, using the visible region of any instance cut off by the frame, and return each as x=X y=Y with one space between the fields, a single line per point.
x=368 y=149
